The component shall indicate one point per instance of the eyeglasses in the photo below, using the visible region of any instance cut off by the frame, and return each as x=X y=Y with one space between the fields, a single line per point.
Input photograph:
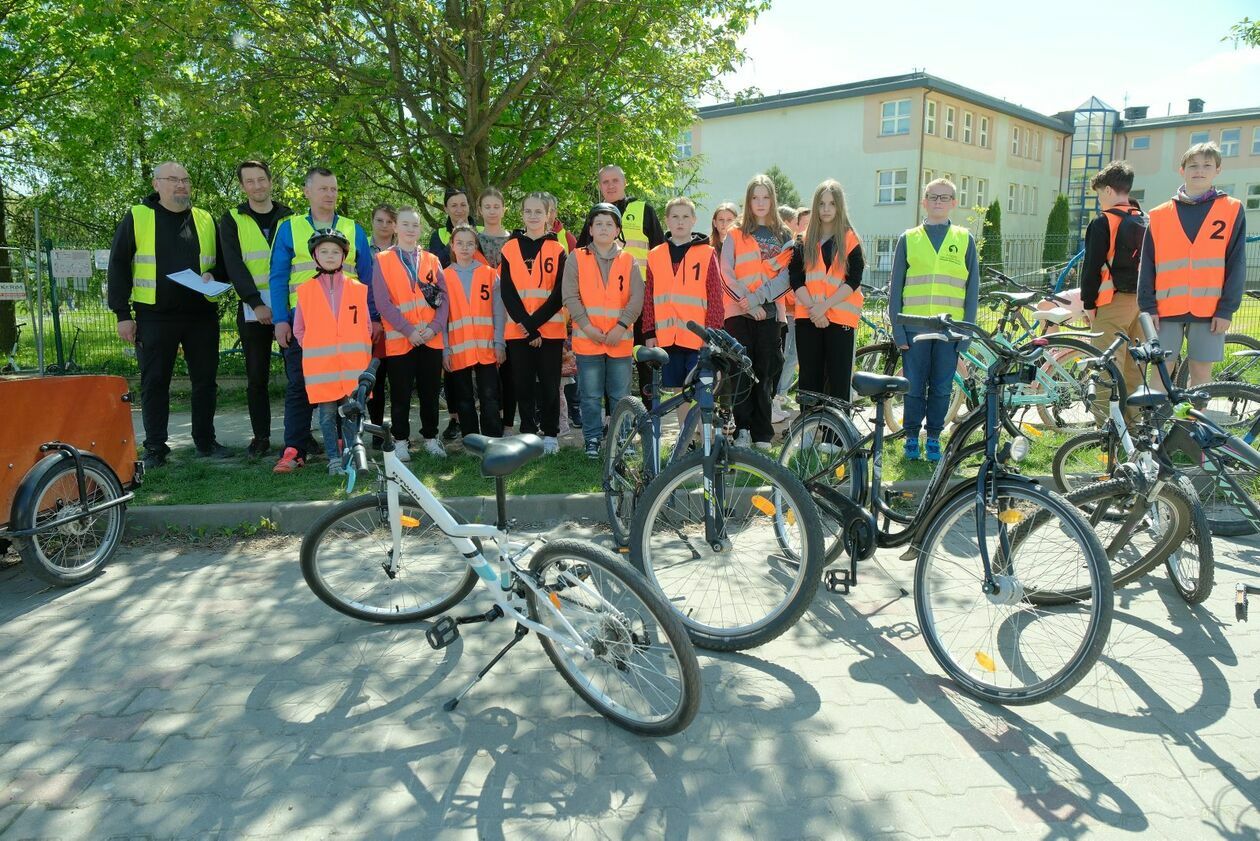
x=175 y=181
x=939 y=197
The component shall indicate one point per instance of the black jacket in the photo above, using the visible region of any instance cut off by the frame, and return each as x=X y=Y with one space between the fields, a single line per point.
x=230 y=242
x=512 y=302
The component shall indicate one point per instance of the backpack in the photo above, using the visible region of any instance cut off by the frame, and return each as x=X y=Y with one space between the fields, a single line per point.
x=1127 y=248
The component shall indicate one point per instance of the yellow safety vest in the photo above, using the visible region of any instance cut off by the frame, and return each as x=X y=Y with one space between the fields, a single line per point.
x=302 y=268
x=255 y=250
x=936 y=281
x=144 y=262
x=445 y=235
x=632 y=229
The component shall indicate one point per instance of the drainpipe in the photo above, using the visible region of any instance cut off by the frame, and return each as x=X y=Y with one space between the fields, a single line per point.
x=914 y=219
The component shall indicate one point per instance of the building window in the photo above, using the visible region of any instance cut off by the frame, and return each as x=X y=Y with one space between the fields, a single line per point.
x=1011 y=192
x=964 y=189
x=929 y=120
x=894 y=117
x=968 y=118
x=892 y=186
x=884 y=250
x=1138 y=195
x=1255 y=141
x=949 y=122
x=683 y=149
x=1032 y=199
x=927 y=177
x=984 y=132
x=1198 y=137
x=1023 y=199
x=1230 y=140
x=1253 y=196
x=1036 y=149
x=1143 y=142
x=982 y=191
x=1014 y=140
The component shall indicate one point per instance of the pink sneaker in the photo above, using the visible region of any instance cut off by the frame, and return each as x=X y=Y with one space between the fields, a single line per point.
x=289 y=461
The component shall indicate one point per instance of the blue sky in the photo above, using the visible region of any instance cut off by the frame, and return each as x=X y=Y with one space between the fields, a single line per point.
x=1046 y=56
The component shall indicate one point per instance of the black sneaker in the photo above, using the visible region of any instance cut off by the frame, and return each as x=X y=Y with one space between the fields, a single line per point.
x=154 y=459
x=452 y=431
x=215 y=450
x=314 y=449
x=258 y=447
x=592 y=448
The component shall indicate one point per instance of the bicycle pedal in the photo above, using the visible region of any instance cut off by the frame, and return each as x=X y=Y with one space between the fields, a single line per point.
x=837 y=581
x=443 y=632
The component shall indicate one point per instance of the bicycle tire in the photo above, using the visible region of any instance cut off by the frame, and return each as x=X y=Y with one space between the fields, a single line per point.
x=74 y=552
x=883 y=358
x=671 y=565
x=1054 y=416
x=1084 y=460
x=1228 y=369
x=620 y=645
x=626 y=471
x=804 y=460
x=1191 y=566
x=393 y=600
x=1232 y=405
x=954 y=508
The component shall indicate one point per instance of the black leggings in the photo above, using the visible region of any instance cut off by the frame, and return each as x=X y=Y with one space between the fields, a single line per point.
x=825 y=357
x=536 y=376
x=761 y=341
x=460 y=387
x=418 y=371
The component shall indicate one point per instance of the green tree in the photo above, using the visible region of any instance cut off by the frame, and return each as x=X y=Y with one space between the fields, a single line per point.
x=1055 y=249
x=784 y=189
x=991 y=245
x=1246 y=31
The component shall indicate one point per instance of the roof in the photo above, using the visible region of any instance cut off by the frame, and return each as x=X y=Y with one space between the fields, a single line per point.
x=1236 y=115
x=883 y=85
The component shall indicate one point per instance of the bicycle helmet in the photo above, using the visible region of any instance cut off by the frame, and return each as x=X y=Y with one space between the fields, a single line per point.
x=605 y=207
x=328 y=235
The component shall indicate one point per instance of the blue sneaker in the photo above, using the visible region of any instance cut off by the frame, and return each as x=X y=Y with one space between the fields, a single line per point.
x=933 y=449
x=912 y=449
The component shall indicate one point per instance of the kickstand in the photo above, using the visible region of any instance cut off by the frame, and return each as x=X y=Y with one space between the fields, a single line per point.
x=521 y=631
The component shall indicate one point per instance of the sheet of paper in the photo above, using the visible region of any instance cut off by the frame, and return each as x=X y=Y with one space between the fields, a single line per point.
x=249 y=313
x=209 y=288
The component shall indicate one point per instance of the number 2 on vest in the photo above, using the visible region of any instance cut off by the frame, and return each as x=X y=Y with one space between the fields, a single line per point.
x=1218 y=229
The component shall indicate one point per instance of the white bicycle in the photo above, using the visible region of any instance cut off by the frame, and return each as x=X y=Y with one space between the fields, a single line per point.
x=400 y=555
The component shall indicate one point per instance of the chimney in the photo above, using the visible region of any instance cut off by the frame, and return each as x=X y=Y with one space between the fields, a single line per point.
x=1196 y=106
x=1135 y=112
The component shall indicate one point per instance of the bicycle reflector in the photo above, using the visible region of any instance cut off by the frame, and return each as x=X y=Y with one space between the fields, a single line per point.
x=409 y=522
x=1011 y=516
x=763 y=505
x=840 y=472
x=986 y=662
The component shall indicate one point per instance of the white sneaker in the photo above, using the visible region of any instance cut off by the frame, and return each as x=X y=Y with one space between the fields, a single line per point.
x=434 y=448
x=762 y=445
x=550 y=446
x=743 y=439
x=777 y=412
x=335 y=468
x=400 y=450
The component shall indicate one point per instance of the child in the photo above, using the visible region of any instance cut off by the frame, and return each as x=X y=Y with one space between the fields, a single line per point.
x=802 y=220
x=603 y=292
x=1109 y=274
x=473 y=348
x=723 y=218
x=331 y=326
x=1193 y=265
x=935 y=270
x=754 y=263
x=491 y=236
x=683 y=284
x=787 y=338
x=410 y=293
x=529 y=284
x=826 y=275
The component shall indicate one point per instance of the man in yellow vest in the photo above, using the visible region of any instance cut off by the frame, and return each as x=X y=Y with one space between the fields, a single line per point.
x=291 y=266
x=246 y=232
x=165 y=235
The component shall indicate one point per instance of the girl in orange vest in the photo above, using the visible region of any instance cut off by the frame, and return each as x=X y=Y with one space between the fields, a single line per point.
x=333 y=328
x=529 y=283
x=683 y=284
x=410 y=291
x=754 y=262
x=603 y=291
x=827 y=279
x=471 y=354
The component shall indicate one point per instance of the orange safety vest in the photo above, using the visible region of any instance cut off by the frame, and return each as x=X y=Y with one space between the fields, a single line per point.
x=751 y=271
x=470 y=325
x=603 y=302
x=1189 y=276
x=534 y=285
x=1106 y=286
x=408 y=298
x=822 y=282
x=679 y=296
x=336 y=347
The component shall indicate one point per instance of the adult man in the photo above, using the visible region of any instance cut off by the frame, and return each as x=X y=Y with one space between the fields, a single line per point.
x=246 y=232
x=164 y=235
x=291 y=266
x=642 y=232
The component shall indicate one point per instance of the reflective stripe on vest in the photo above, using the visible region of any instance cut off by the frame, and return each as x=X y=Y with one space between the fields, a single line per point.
x=823 y=282
x=470 y=325
x=680 y=295
x=936 y=281
x=336 y=347
x=604 y=302
x=302 y=267
x=1189 y=276
x=632 y=230
x=534 y=286
x=408 y=298
x=144 y=262
x=255 y=250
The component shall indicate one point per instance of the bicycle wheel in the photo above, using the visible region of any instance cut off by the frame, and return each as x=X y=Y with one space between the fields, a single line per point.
x=346 y=555
x=758 y=576
x=884 y=358
x=1233 y=406
x=1066 y=406
x=812 y=451
x=625 y=465
x=1192 y=564
x=999 y=646
x=1232 y=368
x=1084 y=460
x=72 y=552
x=644 y=675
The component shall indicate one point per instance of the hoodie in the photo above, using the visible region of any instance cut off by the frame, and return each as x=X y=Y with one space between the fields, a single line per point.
x=512 y=304
x=715 y=309
x=1191 y=213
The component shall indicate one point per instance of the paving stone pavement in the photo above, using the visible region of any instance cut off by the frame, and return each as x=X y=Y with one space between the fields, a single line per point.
x=204 y=692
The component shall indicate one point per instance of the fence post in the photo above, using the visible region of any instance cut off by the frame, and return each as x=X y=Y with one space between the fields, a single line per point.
x=56 y=309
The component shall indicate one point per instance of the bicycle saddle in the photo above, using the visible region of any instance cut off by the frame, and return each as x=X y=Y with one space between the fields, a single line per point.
x=878 y=385
x=502 y=456
x=651 y=355
x=1145 y=398
x=1019 y=299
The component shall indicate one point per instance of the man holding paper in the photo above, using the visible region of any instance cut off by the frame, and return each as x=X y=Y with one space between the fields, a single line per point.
x=247 y=232
x=165 y=235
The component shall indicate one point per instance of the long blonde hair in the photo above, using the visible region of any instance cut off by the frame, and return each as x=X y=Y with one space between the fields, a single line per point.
x=748 y=222
x=840 y=226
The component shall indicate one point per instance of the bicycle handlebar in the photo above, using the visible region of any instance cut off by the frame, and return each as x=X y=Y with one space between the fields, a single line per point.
x=353 y=409
x=959 y=330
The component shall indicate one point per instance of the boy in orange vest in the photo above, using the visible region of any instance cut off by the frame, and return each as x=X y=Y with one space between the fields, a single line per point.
x=332 y=326
x=1193 y=265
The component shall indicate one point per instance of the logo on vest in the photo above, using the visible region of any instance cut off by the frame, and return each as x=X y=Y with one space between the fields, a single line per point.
x=953 y=249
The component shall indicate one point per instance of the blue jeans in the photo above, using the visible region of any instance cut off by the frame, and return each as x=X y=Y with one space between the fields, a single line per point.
x=929 y=366
x=329 y=420
x=598 y=376
x=297 y=408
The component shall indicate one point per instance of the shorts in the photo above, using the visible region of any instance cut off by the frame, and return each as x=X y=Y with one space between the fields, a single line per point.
x=681 y=361
x=1203 y=344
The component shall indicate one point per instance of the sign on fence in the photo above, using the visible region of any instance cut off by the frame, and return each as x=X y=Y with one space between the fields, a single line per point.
x=71 y=263
x=12 y=292
x=102 y=258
